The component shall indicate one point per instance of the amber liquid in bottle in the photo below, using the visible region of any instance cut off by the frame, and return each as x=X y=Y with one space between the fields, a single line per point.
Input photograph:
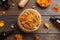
x=55 y=22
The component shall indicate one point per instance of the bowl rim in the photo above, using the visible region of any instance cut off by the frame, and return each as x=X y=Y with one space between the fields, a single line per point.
x=24 y=29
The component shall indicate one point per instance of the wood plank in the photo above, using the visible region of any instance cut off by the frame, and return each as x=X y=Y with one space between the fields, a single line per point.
x=50 y=34
x=13 y=19
x=32 y=37
x=47 y=11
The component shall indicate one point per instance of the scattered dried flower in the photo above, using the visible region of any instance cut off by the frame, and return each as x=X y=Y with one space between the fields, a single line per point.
x=18 y=36
x=1 y=23
x=55 y=8
x=37 y=37
x=4 y=12
x=46 y=25
x=13 y=4
x=33 y=7
x=12 y=26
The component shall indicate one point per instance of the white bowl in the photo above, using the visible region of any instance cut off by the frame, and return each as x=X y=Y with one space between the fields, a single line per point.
x=24 y=29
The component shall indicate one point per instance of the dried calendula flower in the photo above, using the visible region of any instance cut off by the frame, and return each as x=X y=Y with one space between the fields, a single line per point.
x=55 y=8
x=13 y=4
x=18 y=36
x=1 y=23
x=33 y=7
x=37 y=37
x=46 y=25
x=12 y=26
x=44 y=3
x=4 y=12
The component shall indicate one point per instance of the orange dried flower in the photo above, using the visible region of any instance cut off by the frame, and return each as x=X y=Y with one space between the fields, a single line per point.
x=55 y=8
x=44 y=3
x=37 y=38
x=18 y=36
x=1 y=23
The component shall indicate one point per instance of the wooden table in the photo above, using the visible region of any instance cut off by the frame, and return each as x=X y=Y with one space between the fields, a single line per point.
x=45 y=34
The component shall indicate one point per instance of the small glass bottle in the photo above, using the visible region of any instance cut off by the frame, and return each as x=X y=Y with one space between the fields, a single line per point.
x=55 y=22
x=4 y=35
x=5 y=4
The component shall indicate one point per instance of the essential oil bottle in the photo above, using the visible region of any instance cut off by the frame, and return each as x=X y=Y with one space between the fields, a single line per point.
x=55 y=22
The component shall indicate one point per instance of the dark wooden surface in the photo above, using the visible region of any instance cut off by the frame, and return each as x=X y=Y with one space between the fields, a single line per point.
x=46 y=34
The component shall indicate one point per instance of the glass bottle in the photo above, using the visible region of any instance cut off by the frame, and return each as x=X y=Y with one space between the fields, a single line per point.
x=4 y=35
x=5 y=4
x=55 y=22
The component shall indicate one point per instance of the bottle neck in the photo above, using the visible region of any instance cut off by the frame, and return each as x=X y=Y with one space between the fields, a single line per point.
x=52 y=19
